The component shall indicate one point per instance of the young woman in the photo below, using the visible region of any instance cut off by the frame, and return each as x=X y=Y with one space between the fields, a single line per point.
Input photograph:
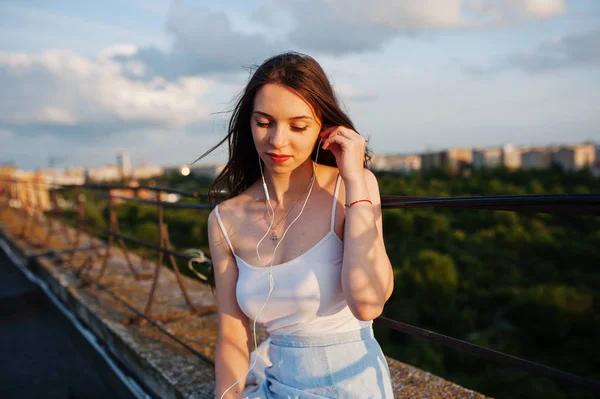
x=298 y=244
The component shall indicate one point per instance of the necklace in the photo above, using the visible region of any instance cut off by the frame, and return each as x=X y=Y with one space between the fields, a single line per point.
x=274 y=237
x=274 y=228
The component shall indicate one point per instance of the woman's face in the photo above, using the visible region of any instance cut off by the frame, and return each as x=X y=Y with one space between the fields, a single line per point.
x=284 y=128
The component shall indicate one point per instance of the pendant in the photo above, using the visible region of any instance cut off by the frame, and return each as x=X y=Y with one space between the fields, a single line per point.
x=274 y=237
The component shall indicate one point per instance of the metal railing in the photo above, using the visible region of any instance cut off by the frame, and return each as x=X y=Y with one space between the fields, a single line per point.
x=40 y=204
x=32 y=205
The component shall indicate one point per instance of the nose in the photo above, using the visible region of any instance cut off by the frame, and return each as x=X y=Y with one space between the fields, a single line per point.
x=279 y=136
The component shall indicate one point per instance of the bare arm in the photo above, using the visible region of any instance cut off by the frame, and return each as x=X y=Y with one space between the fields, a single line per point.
x=233 y=352
x=367 y=277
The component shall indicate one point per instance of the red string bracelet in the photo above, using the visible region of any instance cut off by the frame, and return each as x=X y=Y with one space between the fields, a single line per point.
x=356 y=202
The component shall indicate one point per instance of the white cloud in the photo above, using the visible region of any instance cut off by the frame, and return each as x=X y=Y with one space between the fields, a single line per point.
x=63 y=88
x=203 y=41
x=207 y=41
x=404 y=15
x=575 y=50
x=494 y=12
x=116 y=50
x=346 y=26
x=55 y=115
x=541 y=8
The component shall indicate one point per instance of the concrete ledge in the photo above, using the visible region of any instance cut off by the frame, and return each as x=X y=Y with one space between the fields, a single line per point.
x=162 y=366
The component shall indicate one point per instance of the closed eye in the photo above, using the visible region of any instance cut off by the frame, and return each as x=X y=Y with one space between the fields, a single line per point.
x=269 y=124
x=263 y=124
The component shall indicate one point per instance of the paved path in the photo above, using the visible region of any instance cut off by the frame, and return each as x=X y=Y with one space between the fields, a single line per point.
x=42 y=355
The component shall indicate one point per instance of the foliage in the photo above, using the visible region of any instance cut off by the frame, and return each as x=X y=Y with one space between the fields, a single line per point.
x=524 y=284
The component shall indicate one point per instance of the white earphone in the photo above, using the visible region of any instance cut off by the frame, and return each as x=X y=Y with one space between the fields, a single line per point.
x=271 y=280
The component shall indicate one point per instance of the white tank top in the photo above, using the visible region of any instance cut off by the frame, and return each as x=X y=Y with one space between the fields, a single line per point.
x=307 y=297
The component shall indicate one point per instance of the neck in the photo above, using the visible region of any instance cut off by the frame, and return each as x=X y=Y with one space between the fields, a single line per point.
x=286 y=188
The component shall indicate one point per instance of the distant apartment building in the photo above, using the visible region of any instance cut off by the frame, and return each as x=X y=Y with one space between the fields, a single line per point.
x=486 y=158
x=141 y=172
x=536 y=158
x=452 y=158
x=507 y=156
x=69 y=176
x=104 y=173
x=8 y=170
x=396 y=163
x=124 y=164
x=30 y=191
x=115 y=173
x=511 y=156
x=7 y=173
x=574 y=157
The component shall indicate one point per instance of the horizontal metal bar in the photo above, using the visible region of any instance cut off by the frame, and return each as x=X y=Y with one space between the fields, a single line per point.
x=92 y=186
x=53 y=252
x=574 y=204
x=490 y=354
x=178 y=254
x=579 y=204
x=106 y=187
x=174 y=205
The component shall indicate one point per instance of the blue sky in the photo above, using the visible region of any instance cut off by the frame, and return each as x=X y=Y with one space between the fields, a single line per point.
x=87 y=79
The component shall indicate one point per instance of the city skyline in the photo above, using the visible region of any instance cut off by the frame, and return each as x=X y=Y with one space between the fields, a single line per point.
x=569 y=156
x=88 y=80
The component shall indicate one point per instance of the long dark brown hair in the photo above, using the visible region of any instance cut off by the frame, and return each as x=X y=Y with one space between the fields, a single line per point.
x=302 y=74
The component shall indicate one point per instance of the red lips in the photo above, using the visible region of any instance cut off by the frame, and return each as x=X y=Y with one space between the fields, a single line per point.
x=279 y=158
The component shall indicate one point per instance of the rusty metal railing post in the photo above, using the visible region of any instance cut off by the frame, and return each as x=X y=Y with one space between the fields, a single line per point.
x=165 y=243
x=62 y=226
x=78 y=199
x=51 y=221
x=39 y=217
x=114 y=228
x=161 y=255
x=26 y=207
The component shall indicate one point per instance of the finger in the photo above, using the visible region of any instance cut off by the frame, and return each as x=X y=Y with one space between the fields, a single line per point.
x=326 y=132
x=341 y=132
x=348 y=133
x=337 y=138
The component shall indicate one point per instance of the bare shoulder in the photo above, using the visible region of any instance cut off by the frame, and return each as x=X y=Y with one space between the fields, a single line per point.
x=219 y=220
x=231 y=207
x=216 y=238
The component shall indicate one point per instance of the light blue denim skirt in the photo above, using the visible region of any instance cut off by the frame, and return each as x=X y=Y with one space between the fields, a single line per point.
x=346 y=365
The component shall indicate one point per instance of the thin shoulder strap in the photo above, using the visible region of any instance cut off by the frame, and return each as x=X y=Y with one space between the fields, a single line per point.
x=223 y=230
x=335 y=193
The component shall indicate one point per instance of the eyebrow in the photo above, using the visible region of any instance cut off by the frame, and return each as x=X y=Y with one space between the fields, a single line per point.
x=292 y=118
